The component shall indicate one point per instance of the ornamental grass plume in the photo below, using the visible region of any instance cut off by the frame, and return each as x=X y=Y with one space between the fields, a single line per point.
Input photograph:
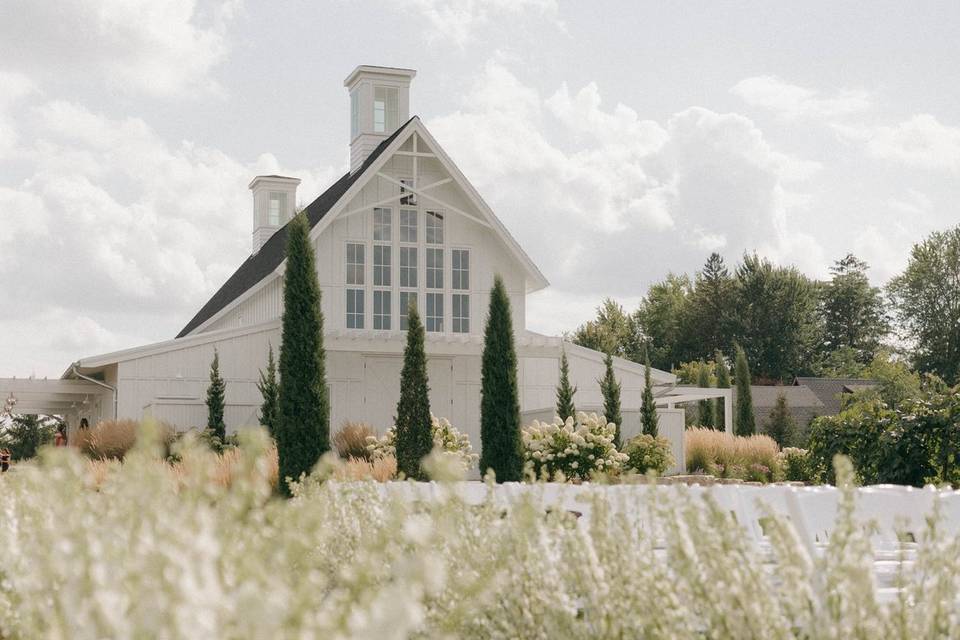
x=155 y=553
x=729 y=456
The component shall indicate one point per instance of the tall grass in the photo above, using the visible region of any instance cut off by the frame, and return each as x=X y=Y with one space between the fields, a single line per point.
x=112 y=439
x=352 y=440
x=728 y=456
x=161 y=554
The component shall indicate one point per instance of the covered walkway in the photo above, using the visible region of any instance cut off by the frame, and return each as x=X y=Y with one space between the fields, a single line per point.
x=70 y=399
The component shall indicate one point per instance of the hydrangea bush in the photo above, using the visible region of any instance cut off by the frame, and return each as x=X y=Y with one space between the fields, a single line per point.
x=577 y=448
x=447 y=440
x=646 y=453
x=149 y=553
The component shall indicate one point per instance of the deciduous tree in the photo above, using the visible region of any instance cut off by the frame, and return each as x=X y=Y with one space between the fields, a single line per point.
x=776 y=321
x=927 y=300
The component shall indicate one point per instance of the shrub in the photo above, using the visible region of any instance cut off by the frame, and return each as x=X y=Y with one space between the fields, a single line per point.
x=108 y=440
x=23 y=435
x=647 y=453
x=446 y=438
x=796 y=465
x=915 y=443
x=572 y=449
x=352 y=440
x=113 y=439
x=725 y=455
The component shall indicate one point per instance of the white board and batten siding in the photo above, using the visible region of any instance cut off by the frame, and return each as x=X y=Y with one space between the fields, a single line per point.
x=488 y=256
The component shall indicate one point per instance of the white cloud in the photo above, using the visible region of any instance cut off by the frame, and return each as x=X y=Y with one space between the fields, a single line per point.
x=792 y=101
x=13 y=87
x=606 y=202
x=123 y=232
x=458 y=21
x=922 y=141
x=160 y=47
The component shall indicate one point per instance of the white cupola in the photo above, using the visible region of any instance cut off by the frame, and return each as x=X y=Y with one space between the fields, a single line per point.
x=274 y=201
x=379 y=104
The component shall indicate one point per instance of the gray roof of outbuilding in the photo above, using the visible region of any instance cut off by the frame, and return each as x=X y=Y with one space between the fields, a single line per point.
x=273 y=252
x=766 y=396
x=830 y=390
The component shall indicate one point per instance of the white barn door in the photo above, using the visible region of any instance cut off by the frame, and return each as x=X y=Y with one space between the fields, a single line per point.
x=381 y=390
x=440 y=372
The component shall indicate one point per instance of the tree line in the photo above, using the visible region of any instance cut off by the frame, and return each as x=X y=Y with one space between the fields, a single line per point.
x=791 y=325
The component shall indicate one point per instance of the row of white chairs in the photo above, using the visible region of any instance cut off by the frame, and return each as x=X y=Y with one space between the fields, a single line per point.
x=896 y=516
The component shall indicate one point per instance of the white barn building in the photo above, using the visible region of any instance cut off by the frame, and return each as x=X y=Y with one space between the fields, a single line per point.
x=403 y=223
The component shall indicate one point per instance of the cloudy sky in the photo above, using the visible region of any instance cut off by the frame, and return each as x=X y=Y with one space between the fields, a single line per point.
x=617 y=140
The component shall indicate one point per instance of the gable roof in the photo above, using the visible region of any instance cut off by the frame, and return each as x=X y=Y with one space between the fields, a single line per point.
x=796 y=396
x=830 y=390
x=273 y=252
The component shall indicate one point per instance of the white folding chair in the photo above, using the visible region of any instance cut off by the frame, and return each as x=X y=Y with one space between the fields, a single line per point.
x=814 y=515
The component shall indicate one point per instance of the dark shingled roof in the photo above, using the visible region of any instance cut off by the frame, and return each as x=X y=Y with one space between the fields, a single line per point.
x=272 y=253
x=830 y=391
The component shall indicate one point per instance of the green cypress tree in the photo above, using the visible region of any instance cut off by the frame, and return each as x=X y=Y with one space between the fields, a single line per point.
x=303 y=423
x=269 y=391
x=744 y=421
x=780 y=425
x=216 y=400
x=565 y=406
x=501 y=445
x=414 y=437
x=610 y=389
x=649 y=420
x=706 y=407
x=723 y=382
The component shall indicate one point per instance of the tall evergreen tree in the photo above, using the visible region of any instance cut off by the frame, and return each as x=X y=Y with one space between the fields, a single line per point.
x=499 y=400
x=744 y=421
x=216 y=400
x=303 y=424
x=270 y=392
x=414 y=437
x=706 y=407
x=780 y=425
x=723 y=382
x=610 y=389
x=853 y=312
x=705 y=320
x=565 y=393
x=649 y=420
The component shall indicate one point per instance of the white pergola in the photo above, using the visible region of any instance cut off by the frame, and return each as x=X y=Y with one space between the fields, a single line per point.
x=69 y=398
x=677 y=395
